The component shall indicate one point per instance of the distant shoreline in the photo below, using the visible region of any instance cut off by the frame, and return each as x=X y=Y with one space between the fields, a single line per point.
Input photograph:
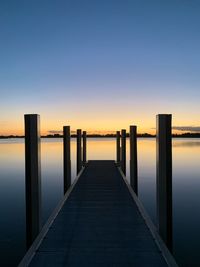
x=145 y=135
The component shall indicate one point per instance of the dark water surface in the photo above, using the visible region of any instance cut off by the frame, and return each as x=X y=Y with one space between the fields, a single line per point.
x=186 y=190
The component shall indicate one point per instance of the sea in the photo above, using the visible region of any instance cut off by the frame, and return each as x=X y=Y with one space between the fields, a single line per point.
x=185 y=187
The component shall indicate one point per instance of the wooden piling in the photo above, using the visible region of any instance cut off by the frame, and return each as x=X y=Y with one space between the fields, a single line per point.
x=133 y=159
x=66 y=158
x=79 y=148
x=164 y=177
x=123 y=151
x=118 y=147
x=32 y=177
x=84 y=148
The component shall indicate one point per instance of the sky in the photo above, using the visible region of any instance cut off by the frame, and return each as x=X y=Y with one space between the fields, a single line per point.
x=99 y=65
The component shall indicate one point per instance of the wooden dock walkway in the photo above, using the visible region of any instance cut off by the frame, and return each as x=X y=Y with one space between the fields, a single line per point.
x=98 y=224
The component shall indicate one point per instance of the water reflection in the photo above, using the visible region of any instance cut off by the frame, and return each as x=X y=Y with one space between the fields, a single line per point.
x=186 y=189
x=12 y=202
x=184 y=143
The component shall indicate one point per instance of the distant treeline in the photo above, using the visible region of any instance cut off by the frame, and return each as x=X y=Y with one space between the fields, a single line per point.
x=184 y=135
x=97 y=135
x=194 y=135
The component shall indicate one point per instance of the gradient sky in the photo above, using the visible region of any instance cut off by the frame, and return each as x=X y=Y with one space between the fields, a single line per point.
x=99 y=64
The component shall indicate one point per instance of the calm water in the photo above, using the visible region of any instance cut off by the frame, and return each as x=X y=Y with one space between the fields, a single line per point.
x=186 y=190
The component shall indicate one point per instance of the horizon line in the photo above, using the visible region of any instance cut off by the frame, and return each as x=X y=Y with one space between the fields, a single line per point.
x=187 y=134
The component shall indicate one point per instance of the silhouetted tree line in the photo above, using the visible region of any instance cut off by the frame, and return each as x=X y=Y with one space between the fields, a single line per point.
x=186 y=135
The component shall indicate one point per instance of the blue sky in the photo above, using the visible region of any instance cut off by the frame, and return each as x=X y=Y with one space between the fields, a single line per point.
x=99 y=64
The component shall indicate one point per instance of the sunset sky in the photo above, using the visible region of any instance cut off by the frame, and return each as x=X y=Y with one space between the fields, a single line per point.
x=99 y=65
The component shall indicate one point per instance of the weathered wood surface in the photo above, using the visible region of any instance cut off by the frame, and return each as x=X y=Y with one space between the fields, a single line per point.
x=99 y=225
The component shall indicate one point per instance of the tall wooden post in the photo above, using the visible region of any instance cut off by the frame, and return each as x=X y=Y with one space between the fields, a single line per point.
x=84 y=148
x=164 y=177
x=79 y=157
x=66 y=158
x=32 y=177
x=118 y=147
x=133 y=159
x=123 y=151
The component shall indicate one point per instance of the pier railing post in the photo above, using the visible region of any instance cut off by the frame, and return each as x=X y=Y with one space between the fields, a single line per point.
x=123 y=151
x=66 y=158
x=133 y=159
x=32 y=177
x=118 y=147
x=84 y=148
x=79 y=152
x=164 y=177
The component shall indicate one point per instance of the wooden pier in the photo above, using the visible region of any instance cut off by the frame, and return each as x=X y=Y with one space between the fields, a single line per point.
x=99 y=223
x=100 y=220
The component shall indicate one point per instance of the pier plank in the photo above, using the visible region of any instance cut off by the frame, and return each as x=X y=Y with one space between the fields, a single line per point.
x=99 y=225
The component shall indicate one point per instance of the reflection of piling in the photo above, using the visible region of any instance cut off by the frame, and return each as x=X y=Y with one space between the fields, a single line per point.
x=123 y=151
x=84 y=148
x=33 y=177
x=164 y=177
x=118 y=147
x=78 y=148
x=66 y=158
x=133 y=159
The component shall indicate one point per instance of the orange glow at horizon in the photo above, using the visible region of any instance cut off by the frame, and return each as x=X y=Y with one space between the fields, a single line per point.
x=100 y=124
x=5 y=131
